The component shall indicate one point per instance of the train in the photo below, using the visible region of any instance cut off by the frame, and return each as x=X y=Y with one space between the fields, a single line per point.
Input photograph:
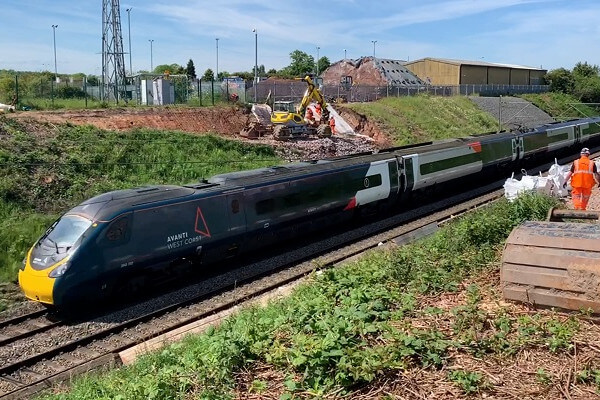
x=118 y=239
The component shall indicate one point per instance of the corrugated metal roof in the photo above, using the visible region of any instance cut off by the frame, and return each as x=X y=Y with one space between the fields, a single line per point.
x=396 y=73
x=478 y=63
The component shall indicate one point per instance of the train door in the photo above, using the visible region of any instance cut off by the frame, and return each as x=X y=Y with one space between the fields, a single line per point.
x=578 y=137
x=408 y=172
x=237 y=222
x=518 y=148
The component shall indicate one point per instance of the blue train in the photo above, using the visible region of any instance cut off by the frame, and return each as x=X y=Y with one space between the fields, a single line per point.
x=122 y=237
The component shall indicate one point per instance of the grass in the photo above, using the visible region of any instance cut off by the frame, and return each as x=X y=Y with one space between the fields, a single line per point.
x=49 y=169
x=352 y=326
x=560 y=106
x=423 y=118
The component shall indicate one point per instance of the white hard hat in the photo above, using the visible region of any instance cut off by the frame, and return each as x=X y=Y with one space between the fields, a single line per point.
x=585 y=150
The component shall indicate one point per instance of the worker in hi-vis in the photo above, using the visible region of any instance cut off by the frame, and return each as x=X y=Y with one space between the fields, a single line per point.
x=582 y=175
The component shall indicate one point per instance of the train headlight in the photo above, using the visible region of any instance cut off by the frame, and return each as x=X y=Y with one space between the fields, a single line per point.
x=59 y=271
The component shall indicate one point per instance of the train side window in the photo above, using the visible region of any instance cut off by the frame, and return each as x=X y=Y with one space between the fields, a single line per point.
x=235 y=206
x=373 y=181
x=265 y=206
x=117 y=230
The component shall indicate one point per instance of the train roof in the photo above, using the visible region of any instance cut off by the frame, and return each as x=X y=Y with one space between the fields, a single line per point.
x=286 y=171
x=107 y=205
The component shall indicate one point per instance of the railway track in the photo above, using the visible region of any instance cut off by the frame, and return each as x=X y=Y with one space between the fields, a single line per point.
x=50 y=359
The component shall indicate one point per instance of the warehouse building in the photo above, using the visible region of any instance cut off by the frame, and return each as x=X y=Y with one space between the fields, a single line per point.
x=440 y=71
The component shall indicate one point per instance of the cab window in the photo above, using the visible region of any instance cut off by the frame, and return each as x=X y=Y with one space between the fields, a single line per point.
x=118 y=231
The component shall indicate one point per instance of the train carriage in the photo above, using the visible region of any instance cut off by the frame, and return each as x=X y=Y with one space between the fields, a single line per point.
x=117 y=239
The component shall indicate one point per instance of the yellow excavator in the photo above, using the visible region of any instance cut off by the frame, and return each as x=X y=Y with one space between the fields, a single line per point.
x=286 y=120
x=289 y=121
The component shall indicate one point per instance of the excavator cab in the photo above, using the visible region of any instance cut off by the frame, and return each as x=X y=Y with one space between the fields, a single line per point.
x=284 y=106
x=284 y=112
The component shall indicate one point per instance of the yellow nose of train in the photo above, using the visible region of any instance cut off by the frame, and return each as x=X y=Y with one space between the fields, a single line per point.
x=36 y=284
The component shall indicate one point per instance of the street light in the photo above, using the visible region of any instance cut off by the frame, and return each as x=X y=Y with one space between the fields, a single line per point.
x=345 y=54
x=374 y=41
x=217 y=74
x=54 y=36
x=318 y=48
x=129 y=29
x=151 y=61
x=255 y=63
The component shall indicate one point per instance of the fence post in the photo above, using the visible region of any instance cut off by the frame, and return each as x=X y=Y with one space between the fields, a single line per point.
x=200 y=91
x=16 y=90
x=85 y=93
x=212 y=91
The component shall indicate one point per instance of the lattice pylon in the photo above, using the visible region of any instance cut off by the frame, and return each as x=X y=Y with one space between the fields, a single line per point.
x=113 y=56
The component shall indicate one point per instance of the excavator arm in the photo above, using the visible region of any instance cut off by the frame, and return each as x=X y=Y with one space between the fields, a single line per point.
x=312 y=93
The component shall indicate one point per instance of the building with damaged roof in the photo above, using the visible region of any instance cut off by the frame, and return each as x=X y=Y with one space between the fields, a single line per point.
x=370 y=71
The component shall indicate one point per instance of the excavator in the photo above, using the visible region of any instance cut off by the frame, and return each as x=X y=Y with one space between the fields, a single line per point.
x=288 y=121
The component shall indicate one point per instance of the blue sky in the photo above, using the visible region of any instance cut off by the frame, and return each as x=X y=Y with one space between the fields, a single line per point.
x=546 y=33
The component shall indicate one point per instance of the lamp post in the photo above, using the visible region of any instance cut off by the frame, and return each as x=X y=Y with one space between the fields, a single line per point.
x=217 y=74
x=151 y=61
x=255 y=63
x=318 y=48
x=54 y=39
x=345 y=54
x=373 y=41
x=129 y=30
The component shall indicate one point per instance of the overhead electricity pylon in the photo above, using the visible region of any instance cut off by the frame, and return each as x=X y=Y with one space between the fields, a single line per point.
x=113 y=56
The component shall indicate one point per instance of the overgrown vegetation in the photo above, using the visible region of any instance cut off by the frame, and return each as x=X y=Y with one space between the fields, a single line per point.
x=582 y=82
x=352 y=325
x=561 y=106
x=48 y=169
x=422 y=118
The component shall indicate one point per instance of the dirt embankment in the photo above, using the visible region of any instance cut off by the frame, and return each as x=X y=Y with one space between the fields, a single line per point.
x=361 y=124
x=227 y=121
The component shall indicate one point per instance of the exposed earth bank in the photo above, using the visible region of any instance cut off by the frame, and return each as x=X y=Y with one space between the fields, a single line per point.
x=226 y=121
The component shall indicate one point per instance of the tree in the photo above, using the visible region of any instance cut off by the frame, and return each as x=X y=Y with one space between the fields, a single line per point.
x=323 y=63
x=302 y=64
x=209 y=75
x=172 y=69
x=247 y=76
x=190 y=70
x=92 y=80
x=561 y=80
x=585 y=70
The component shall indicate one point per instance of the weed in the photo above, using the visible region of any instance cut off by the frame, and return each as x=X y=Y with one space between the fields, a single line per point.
x=543 y=377
x=589 y=375
x=470 y=382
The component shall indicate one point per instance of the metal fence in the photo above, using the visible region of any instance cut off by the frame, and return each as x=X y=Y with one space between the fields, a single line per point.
x=293 y=91
x=28 y=90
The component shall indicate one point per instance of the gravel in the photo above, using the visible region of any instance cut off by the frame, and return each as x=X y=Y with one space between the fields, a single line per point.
x=513 y=111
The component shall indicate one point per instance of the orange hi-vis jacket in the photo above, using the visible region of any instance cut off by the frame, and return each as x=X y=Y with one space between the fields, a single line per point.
x=583 y=173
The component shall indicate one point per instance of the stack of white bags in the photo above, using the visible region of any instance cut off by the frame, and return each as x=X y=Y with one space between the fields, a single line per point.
x=551 y=185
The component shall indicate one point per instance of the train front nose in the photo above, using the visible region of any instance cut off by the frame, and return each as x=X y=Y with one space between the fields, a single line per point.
x=35 y=283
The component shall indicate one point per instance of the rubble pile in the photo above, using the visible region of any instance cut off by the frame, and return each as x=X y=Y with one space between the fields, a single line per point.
x=314 y=149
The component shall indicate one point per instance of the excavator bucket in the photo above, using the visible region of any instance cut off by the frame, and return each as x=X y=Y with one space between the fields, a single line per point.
x=554 y=264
